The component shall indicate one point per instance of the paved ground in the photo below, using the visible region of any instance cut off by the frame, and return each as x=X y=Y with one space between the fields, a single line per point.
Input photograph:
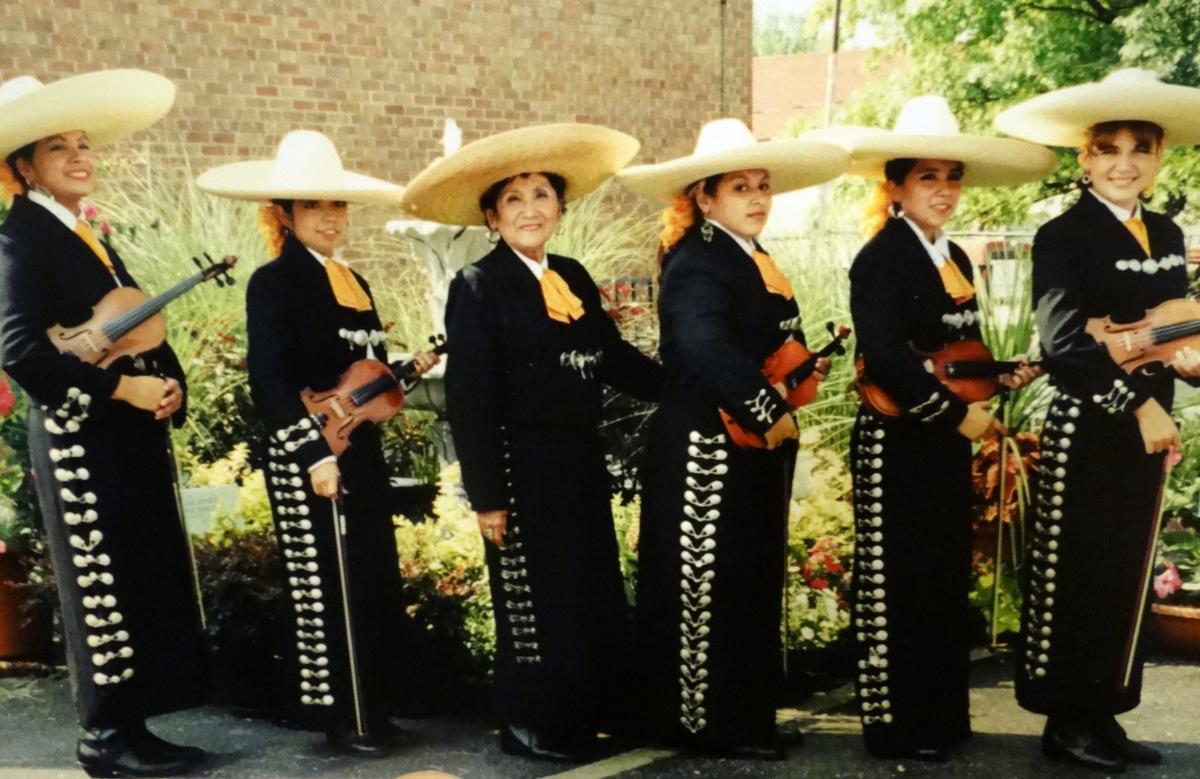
x=37 y=733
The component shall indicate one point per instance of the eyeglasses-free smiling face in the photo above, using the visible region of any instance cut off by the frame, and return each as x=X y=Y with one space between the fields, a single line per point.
x=526 y=214
x=1122 y=166
x=929 y=194
x=318 y=224
x=64 y=165
x=742 y=202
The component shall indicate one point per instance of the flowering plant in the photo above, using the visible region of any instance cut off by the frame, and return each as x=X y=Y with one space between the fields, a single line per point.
x=1178 y=578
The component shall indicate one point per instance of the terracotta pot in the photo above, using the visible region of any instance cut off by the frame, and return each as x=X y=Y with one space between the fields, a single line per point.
x=23 y=634
x=1177 y=629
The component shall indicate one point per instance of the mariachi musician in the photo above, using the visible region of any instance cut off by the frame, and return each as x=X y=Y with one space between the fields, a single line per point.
x=98 y=437
x=309 y=317
x=1107 y=432
x=912 y=288
x=712 y=544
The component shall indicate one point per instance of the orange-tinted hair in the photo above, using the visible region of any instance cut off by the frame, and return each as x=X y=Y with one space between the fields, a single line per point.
x=10 y=183
x=1143 y=132
x=271 y=229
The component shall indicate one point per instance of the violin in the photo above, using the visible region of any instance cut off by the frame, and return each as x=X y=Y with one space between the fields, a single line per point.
x=793 y=366
x=125 y=323
x=1152 y=341
x=368 y=391
x=966 y=368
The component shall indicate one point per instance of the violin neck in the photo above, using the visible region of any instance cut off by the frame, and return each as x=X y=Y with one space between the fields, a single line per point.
x=982 y=369
x=138 y=314
x=1173 y=332
x=365 y=393
x=806 y=368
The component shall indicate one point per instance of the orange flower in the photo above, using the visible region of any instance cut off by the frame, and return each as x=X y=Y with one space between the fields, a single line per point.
x=271 y=229
x=10 y=185
x=676 y=219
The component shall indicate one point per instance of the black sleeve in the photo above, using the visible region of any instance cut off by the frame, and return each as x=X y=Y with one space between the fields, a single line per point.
x=624 y=367
x=27 y=354
x=879 y=325
x=272 y=356
x=697 y=308
x=1074 y=359
x=473 y=392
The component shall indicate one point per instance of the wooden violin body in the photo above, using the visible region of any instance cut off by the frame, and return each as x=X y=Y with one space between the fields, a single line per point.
x=367 y=392
x=1153 y=340
x=966 y=368
x=89 y=341
x=126 y=323
x=793 y=366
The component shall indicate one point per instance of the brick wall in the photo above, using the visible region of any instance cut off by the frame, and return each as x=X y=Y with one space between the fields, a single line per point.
x=380 y=77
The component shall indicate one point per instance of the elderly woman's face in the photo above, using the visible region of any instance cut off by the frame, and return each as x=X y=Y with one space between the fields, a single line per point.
x=526 y=214
x=742 y=202
x=64 y=165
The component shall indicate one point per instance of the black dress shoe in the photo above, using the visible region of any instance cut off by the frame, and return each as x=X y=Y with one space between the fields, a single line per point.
x=1075 y=743
x=1111 y=733
x=147 y=744
x=527 y=742
x=349 y=742
x=109 y=753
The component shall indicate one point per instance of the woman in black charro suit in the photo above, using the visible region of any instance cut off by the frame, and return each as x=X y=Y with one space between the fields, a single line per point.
x=1107 y=431
x=308 y=318
x=712 y=541
x=530 y=348
x=98 y=438
x=911 y=287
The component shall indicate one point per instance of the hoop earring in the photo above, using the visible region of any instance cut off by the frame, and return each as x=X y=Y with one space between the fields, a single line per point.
x=492 y=235
x=896 y=211
x=706 y=231
x=1085 y=180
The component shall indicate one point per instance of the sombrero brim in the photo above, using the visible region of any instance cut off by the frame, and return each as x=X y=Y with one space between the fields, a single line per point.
x=257 y=180
x=1062 y=117
x=987 y=161
x=585 y=155
x=107 y=105
x=792 y=163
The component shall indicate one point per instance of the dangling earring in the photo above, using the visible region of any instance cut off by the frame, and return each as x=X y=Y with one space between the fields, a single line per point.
x=492 y=235
x=706 y=231
x=895 y=210
x=1085 y=180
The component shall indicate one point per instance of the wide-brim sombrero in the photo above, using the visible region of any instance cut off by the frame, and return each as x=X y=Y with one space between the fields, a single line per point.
x=106 y=104
x=1062 y=117
x=927 y=129
x=726 y=145
x=585 y=155
x=306 y=167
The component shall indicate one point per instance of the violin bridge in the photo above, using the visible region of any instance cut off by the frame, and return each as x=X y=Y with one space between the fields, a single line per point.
x=337 y=408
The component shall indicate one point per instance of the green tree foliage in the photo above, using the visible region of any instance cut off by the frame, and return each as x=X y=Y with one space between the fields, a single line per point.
x=783 y=34
x=985 y=55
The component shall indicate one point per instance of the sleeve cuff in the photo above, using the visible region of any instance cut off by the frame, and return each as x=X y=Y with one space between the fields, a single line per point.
x=322 y=461
x=1122 y=396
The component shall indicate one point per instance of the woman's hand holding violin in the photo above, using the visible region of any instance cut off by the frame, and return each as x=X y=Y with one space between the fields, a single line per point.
x=423 y=361
x=1023 y=375
x=492 y=525
x=1187 y=363
x=979 y=422
x=144 y=392
x=325 y=478
x=1158 y=430
x=784 y=429
x=172 y=399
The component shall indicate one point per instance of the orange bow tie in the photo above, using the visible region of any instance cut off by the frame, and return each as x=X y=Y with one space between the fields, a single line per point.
x=954 y=282
x=776 y=283
x=345 y=286
x=85 y=233
x=561 y=303
x=1138 y=228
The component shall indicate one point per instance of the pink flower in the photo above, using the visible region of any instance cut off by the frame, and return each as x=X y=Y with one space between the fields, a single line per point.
x=89 y=211
x=7 y=399
x=105 y=228
x=1168 y=581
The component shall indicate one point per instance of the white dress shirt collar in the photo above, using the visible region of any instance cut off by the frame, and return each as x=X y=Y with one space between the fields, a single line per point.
x=747 y=245
x=939 y=250
x=1122 y=214
x=53 y=206
x=535 y=267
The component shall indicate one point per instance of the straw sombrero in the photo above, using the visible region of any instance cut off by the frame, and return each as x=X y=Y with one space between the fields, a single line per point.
x=448 y=191
x=306 y=167
x=1061 y=117
x=726 y=145
x=107 y=104
x=927 y=129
